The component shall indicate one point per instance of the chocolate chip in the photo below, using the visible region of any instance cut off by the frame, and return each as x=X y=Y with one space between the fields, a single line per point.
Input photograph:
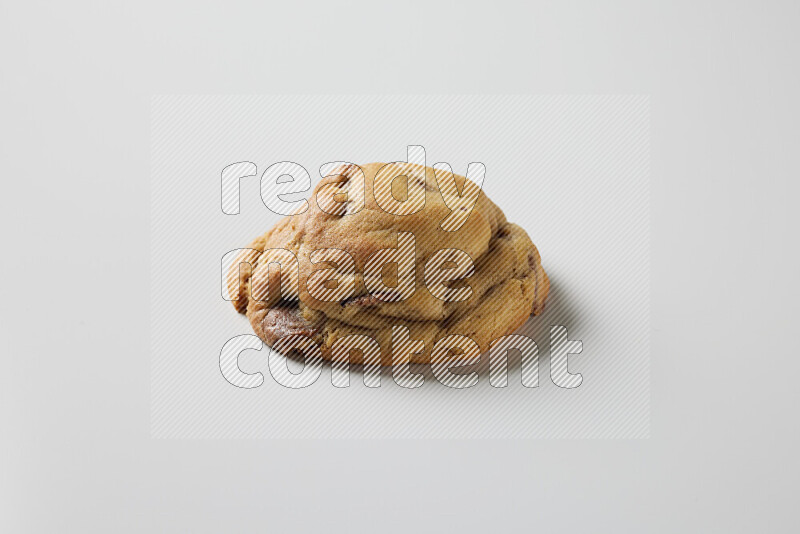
x=367 y=301
x=423 y=183
x=284 y=321
x=532 y=260
x=360 y=300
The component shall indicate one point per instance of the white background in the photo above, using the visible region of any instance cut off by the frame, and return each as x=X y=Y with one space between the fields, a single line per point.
x=572 y=170
x=76 y=86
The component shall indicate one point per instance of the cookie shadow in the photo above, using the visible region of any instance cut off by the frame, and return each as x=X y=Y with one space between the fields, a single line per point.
x=561 y=308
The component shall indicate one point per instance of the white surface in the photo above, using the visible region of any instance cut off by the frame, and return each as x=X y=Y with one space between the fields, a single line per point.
x=572 y=170
x=76 y=450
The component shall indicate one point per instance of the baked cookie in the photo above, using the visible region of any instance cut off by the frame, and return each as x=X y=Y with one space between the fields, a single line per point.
x=347 y=212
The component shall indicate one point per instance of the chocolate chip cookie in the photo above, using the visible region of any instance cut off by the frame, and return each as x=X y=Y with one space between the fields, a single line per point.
x=360 y=214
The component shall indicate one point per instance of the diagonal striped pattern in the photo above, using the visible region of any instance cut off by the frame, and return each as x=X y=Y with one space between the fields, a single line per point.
x=386 y=189
x=460 y=202
x=402 y=347
x=285 y=178
x=572 y=170
x=445 y=266
x=344 y=198
x=499 y=355
x=229 y=361
x=309 y=353
x=442 y=361
x=338 y=270
x=404 y=256
x=231 y=178
x=371 y=355
x=287 y=268
x=560 y=349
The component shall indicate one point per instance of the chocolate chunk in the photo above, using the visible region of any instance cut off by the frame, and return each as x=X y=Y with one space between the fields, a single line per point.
x=284 y=321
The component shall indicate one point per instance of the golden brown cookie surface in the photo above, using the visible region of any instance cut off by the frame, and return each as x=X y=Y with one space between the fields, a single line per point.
x=347 y=213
